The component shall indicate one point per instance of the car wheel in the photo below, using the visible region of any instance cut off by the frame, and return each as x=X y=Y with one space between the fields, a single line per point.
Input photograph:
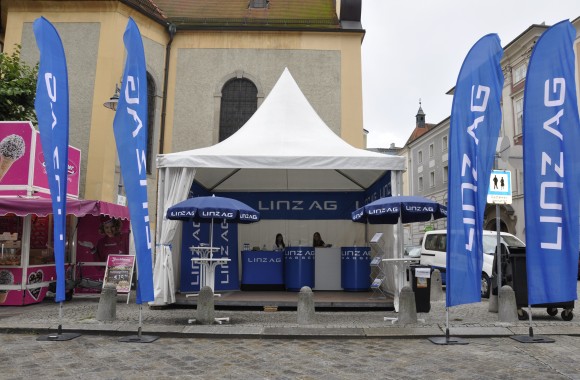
x=485 y=285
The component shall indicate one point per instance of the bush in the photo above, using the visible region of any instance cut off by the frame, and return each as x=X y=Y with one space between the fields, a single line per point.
x=17 y=88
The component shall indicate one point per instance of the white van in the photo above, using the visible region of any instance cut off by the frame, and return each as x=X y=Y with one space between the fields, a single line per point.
x=434 y=253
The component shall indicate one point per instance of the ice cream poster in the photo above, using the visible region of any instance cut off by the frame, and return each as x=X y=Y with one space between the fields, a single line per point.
x=74 y=160
x=15 y=144
x=21 y=154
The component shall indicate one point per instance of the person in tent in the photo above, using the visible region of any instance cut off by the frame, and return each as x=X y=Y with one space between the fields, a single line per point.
x=317 y=240
x=279 y=244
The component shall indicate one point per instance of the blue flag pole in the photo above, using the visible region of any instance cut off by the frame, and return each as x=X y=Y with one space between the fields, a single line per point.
x=474 y=130
x=551 y=156
x=130 y=128
x=52 y=111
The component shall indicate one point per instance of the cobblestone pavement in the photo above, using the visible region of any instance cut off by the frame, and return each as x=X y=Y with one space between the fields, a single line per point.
x=102 y=357
x=272 y=345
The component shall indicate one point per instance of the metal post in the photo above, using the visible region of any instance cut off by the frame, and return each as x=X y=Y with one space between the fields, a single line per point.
x=498 y=247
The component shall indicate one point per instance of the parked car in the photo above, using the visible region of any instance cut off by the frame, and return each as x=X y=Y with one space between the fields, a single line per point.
x=434 y=253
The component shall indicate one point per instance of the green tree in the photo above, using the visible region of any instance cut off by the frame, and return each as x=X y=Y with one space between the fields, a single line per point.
x=17 y=88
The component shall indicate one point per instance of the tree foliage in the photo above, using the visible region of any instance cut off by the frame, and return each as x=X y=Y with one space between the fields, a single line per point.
x=17 y=88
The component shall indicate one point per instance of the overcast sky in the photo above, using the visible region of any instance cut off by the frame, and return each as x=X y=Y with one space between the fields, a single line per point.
x=414 y=49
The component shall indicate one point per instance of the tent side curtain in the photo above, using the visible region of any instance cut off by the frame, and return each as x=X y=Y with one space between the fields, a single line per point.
x=43 y=207
x=173 y=187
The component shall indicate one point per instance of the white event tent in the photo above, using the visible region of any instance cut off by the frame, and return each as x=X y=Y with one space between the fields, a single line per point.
x=285 y=146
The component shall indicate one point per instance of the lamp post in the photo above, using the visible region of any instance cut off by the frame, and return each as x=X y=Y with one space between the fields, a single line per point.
x=112 y=105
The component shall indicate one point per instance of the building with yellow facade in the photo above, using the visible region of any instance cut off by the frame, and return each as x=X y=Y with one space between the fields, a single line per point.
x=210 y=64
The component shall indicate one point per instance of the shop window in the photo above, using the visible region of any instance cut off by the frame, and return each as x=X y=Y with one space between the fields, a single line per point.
x=42 y=240
x=11 y=240
x=238 y=103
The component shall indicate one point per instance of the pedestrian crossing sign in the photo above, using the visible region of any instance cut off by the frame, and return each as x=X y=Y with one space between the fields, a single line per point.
x=500 y=187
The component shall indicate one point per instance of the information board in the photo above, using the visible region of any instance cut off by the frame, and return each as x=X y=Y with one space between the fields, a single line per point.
x=119 y=271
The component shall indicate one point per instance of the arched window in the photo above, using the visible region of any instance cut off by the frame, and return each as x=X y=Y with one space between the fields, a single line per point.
x=151 y=90
x=238 y=103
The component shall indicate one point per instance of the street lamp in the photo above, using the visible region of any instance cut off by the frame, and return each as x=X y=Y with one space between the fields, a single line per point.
x=113 y=100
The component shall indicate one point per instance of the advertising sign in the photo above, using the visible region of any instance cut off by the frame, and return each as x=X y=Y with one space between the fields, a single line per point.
x=119 y=272
x=22 y=164
x=16 y=144
x=40 y=178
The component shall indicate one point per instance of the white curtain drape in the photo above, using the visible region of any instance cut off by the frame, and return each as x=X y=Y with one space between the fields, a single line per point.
x=173 y=187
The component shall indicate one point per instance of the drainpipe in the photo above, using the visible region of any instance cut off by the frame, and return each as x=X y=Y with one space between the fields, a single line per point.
x=171 y=29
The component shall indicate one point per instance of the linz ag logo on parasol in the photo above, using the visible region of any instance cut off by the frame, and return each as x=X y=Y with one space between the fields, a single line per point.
x=419 y=208
x=248 y=216
x=384 y=210
x=182 y=213
x=217 y=214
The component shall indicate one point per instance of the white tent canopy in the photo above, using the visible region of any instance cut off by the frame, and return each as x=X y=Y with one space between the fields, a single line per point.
x=285 y=146
x=284 y=133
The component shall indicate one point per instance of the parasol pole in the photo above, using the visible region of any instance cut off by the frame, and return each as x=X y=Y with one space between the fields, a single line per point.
x=211 y=239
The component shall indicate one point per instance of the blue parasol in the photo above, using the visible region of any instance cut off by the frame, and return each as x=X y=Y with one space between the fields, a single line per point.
x=410 y=208
x=206 y=209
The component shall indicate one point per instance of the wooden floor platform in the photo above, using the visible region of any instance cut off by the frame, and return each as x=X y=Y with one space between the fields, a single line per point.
x=289 y=300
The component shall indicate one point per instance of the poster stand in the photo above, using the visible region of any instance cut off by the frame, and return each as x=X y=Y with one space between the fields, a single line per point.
x=119 y=271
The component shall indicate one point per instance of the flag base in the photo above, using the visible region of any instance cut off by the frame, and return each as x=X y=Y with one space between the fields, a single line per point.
x=532 y=339
x=59 y=336
x=139 y=338
x=445 y=340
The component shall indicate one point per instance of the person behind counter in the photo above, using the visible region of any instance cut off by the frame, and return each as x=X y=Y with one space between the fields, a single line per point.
x=279 y=244
x=317 y=241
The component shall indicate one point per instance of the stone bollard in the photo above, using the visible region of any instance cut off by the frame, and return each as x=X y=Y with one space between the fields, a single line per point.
x=508 y=310
x=107 y=310
x=492 y=305
x=205 y=306
x=305 y=306
x=407 y=307
x=436 y=286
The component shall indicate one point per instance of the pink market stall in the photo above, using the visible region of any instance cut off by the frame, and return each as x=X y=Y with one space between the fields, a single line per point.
x=26 y=257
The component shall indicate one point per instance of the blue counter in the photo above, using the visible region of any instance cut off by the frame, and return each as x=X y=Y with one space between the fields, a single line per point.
x=299 y=268
x=262 y=270
x=355 y=268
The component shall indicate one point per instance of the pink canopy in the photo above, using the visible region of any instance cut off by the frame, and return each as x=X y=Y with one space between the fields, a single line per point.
x=43 y=207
